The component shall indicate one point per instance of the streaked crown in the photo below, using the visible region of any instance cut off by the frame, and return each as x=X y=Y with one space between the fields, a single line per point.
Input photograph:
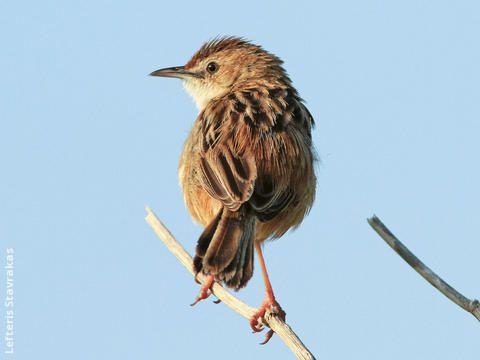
x=227 y=64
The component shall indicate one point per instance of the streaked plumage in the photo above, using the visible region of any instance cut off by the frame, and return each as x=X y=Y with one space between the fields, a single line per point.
x=246 y=170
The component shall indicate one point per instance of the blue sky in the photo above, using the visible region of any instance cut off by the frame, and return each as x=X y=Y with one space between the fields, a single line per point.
x=87 y=139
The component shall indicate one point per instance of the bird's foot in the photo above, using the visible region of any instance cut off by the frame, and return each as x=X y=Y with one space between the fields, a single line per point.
x=269 y=303
x=205 y=291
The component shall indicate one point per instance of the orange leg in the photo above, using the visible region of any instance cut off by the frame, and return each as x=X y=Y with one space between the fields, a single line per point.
x=269 y=301
x=205 y=290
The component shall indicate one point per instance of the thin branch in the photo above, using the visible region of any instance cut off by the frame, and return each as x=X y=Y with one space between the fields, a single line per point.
x=270 y=319
x=472 y=306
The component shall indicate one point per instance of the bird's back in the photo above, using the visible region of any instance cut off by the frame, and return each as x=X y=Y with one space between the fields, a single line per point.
x=273 y=128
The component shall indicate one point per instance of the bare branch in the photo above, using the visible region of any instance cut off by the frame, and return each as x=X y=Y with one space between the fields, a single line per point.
x=271 y=320
x=472 y=306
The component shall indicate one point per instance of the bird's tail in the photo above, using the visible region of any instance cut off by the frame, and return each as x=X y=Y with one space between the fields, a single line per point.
x=225 y=248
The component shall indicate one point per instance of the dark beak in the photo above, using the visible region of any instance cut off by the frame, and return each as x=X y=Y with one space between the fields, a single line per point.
x=175 y=72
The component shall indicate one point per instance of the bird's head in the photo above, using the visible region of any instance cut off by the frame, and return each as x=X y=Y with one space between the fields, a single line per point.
x=224 y=65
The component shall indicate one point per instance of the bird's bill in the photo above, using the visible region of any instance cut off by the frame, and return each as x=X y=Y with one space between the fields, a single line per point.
x=174 y=72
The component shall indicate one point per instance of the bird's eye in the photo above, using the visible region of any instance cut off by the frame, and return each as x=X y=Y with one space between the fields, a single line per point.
x=212 y=67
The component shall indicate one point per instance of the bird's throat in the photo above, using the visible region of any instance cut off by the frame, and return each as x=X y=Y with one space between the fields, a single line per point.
x=201 y=92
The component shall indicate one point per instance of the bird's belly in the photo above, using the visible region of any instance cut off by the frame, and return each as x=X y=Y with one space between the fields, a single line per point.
x=201 y=206
x=289 y=218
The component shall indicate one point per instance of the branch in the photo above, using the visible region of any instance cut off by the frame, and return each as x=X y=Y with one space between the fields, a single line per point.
x=472 y=306
x=270 y=320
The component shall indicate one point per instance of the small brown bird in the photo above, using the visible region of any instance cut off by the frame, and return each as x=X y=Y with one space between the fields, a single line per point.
x=247 y=167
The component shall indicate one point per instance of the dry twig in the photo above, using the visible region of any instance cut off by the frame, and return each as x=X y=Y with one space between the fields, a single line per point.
x=272 y=321
x=472 y=306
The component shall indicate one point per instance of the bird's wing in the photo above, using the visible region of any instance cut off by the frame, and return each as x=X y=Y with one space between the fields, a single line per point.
x=233 y=180
x=231 y=176
x=269 y=200
x=227 y=176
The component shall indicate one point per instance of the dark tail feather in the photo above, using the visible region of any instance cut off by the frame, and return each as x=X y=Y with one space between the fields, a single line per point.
x=225 y=248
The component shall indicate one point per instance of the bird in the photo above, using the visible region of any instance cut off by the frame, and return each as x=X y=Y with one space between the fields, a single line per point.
x=247 y=167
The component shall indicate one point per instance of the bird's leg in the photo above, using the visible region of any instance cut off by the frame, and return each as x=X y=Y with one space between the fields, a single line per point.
x=269 y=302
x=205 y=290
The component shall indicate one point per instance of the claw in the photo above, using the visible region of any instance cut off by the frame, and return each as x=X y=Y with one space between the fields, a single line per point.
x=268 y=303
x=205 y=291
x=268 y=336
x=201 y=296
x=254 y=323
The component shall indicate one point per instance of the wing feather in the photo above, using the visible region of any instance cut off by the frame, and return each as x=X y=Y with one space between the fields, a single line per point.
x=228 y=177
